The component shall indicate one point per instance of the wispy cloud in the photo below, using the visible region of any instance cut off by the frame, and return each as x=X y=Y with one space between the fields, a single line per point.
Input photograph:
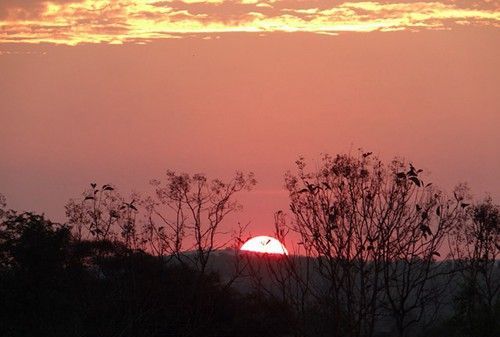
x=118 y=21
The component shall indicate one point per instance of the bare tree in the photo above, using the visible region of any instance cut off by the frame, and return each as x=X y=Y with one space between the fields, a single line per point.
x=104 y=214
x=374 y=232
x=184 y=221
x=186 y=212
x=291 y=281
x=475 y=246
x=416 y=277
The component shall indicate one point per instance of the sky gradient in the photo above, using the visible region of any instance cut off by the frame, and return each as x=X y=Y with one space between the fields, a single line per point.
x=119 y=91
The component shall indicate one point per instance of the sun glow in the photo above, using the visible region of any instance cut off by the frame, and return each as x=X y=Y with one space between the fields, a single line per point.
x=264 y=244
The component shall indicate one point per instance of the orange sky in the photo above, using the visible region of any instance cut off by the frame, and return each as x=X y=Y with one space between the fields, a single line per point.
x=118 y=21
x=212 y=87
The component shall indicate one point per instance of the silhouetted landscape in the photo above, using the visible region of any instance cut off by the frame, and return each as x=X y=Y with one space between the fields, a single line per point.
x=381 y=253
x=249 y=168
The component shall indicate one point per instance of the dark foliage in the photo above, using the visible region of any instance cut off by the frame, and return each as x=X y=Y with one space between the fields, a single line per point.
x=53 y=285
x=372 y=260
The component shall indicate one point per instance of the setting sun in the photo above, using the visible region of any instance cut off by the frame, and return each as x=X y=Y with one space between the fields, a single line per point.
x=264 y=244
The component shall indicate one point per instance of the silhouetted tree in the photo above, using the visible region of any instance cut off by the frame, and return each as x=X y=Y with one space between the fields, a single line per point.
x=287 y=279
x=186 y=212
x=33 y=256
x=475 y=246
x=104 y=214
x=52 y=284
x=374 y=232
x=184 y=219
x=370 y=252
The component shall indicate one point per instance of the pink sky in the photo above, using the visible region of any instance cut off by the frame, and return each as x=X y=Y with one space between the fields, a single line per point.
x=124 y=114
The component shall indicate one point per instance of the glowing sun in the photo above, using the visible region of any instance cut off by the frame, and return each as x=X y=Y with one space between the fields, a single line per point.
x=264 y=244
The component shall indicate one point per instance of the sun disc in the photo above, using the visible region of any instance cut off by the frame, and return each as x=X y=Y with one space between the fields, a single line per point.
x=264 y=244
